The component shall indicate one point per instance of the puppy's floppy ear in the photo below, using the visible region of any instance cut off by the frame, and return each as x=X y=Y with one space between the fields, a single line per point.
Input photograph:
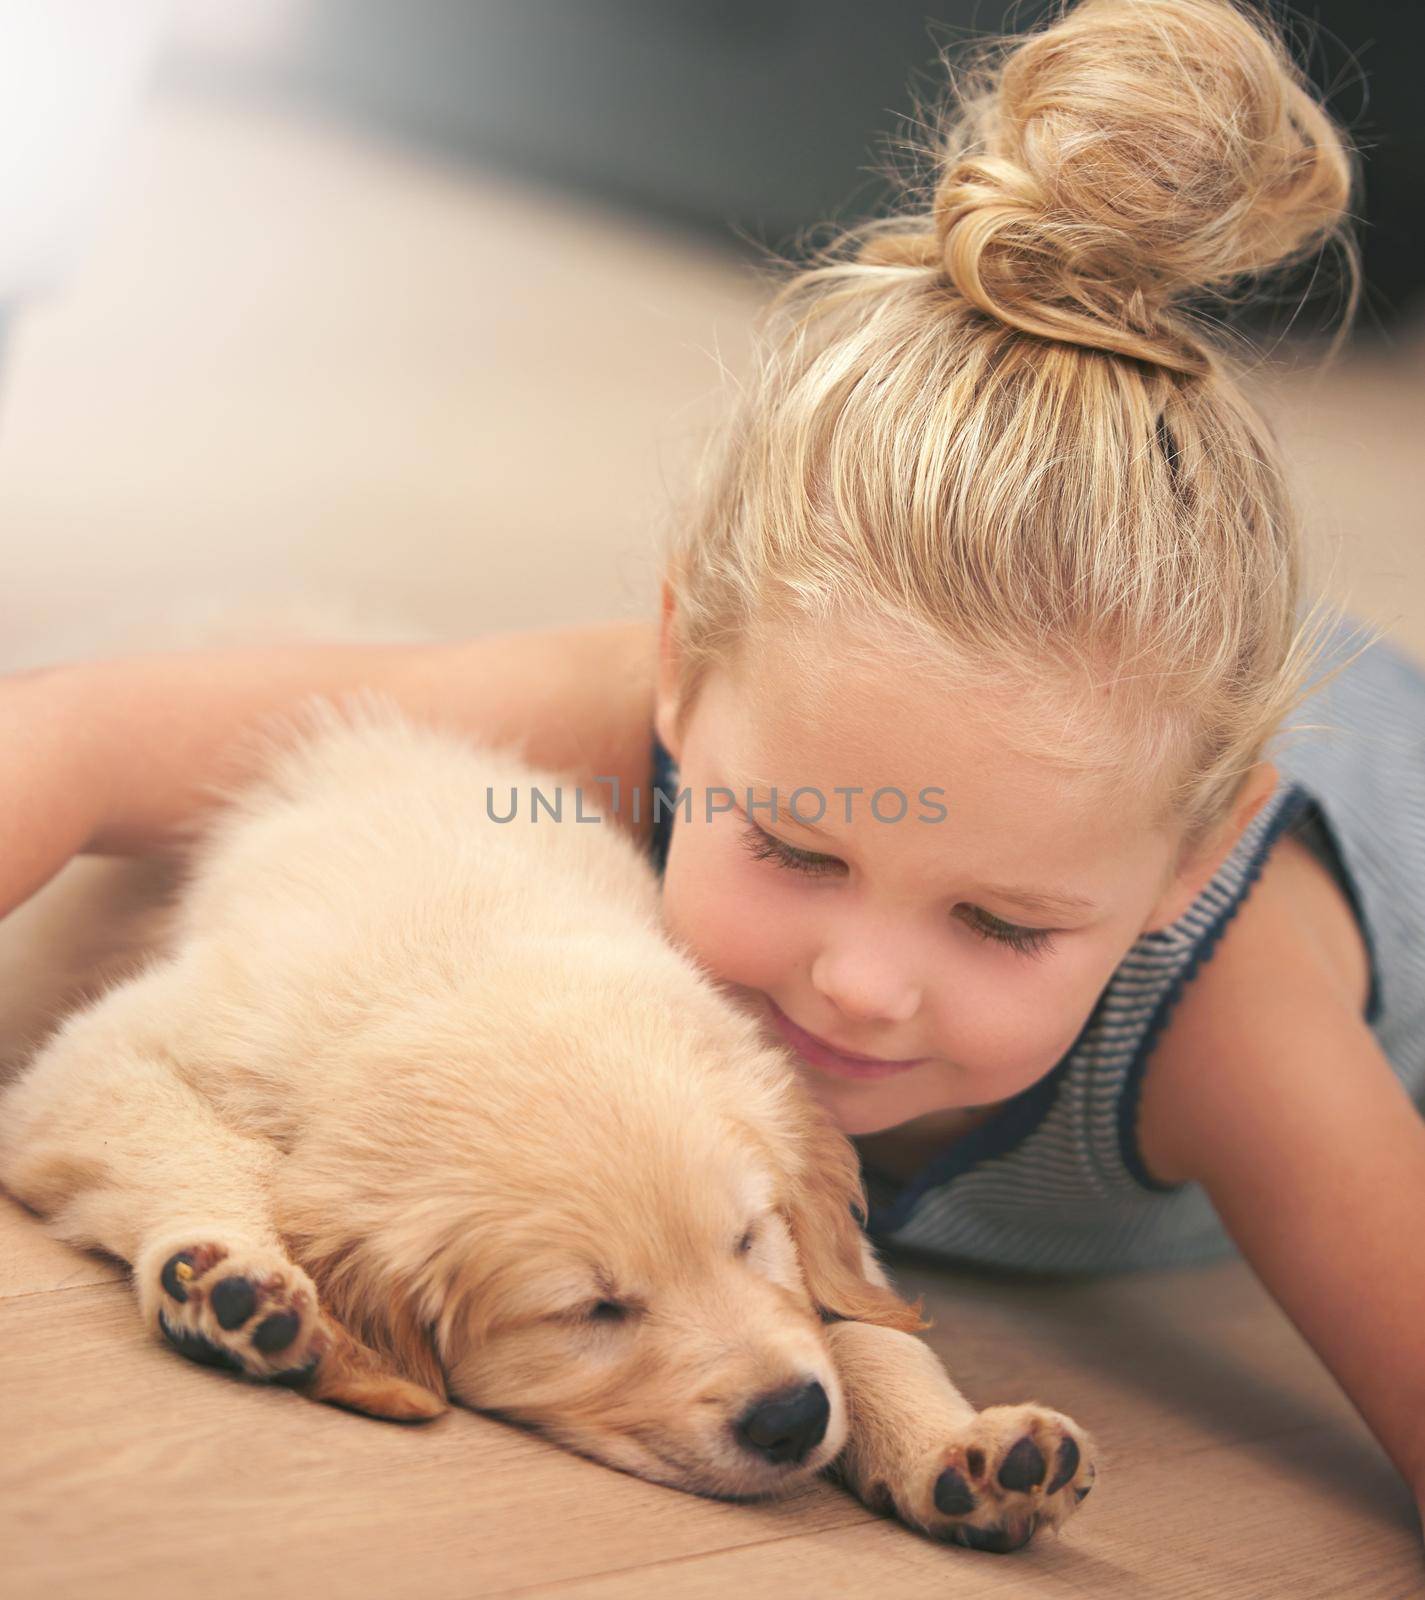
x=822 y=1210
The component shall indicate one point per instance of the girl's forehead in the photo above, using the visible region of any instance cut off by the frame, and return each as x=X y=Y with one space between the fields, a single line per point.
x=853 y=662
x=826 y=699
x=836 y=722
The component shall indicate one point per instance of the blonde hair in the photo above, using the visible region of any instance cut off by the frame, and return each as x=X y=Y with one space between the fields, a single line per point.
x=992 y=426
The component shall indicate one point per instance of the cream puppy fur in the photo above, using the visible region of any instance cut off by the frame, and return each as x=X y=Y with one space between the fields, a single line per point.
x=395 y=1102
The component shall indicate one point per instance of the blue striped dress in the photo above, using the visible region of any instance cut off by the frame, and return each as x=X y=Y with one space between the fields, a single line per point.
x=1054 y=1180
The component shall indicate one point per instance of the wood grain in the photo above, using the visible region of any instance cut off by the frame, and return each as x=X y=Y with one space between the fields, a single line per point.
x=1232 y=1468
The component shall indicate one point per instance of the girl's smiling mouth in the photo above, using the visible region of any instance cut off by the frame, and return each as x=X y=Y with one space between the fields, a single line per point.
x=840 y=1063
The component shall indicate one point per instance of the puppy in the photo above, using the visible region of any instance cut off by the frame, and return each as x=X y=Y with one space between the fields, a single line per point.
x=403 y=1101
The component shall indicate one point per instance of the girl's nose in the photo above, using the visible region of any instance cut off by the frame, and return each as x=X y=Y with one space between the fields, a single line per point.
x=868 y=985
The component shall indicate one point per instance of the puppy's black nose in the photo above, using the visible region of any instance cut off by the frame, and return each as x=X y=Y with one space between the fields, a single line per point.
x=788 y=1425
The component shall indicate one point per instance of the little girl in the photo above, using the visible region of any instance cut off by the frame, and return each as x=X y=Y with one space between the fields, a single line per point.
x=968 y=670
x=995 y=519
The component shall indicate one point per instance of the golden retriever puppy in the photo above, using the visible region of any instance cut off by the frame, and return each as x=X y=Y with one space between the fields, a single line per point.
x=405 y=1102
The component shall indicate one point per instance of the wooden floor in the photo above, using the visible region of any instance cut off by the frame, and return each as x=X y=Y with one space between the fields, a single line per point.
x=295 y=363
x=1232 y=1468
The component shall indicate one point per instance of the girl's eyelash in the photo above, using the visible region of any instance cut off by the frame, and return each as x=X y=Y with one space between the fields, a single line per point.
x=763 y=846
x=766 y=848
x=1023 y=941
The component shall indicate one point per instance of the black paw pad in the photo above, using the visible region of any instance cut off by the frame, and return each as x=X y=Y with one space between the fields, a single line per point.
x=1023 y=1467
x=998 y=1541
x=196 y=1348
x=174 y=1281
x=233 y=1300
x=953 y=1496
x=276 y=1332
x=1068 y=1466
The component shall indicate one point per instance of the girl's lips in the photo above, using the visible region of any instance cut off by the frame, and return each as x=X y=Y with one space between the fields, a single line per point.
x=819 y=1054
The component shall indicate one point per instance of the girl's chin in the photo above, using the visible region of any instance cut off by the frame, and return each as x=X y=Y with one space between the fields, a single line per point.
x=858 y=1108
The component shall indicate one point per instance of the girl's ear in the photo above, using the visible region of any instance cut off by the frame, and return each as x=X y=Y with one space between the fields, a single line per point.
x=665 y=705
x=821 y=1211
x=1194 y=874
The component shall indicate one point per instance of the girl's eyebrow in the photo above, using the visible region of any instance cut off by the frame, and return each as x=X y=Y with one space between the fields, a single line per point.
x=1025 y=899
x=1033 y=900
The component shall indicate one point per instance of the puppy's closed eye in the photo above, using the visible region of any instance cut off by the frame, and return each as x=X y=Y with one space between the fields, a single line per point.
x=607 y=1312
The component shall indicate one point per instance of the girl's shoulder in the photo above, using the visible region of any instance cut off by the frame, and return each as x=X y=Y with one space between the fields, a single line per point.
x=1297 y=927
x=1336 y=894
x=1296 y=877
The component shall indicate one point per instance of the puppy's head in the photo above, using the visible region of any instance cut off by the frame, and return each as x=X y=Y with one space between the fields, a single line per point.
x=626 y=1234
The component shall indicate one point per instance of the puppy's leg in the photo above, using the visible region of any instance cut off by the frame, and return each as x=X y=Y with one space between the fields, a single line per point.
x=117 y=1151
x=109 y=1143
x=918 y=1449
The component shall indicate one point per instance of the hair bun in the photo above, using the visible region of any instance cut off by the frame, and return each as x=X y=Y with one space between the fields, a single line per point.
x=1131 y=152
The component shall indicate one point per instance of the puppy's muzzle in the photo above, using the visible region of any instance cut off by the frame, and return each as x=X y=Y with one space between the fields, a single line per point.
x=786 y=1426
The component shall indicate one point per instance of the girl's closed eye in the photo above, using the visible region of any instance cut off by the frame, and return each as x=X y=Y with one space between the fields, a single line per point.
x=764 y=846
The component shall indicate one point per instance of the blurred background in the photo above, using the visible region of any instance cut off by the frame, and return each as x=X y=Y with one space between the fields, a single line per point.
x=418 y=312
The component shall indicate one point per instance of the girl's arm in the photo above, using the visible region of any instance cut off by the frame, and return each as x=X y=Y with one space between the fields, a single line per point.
x=49 y=787
x=1271 y=1091
x=117 y=756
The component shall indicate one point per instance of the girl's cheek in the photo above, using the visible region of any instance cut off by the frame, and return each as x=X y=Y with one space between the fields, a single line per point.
x=1013 y=1017
x=1011 y=1011
x=726 y=908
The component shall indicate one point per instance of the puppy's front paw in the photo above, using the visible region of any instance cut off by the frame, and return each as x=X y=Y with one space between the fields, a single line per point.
x=247 y=1309
x=1012 y=1471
